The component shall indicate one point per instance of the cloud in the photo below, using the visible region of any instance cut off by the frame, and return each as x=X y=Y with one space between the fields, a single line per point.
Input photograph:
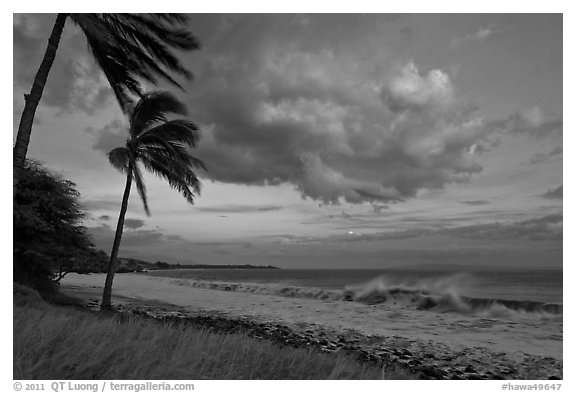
x=532 y=122
x=238 y=209
x=270 y=208
x=98 y=204
x=540 y=158
x=549 y=227
x=546 y=228
x=242 y=244
x=109 y=137
x=352 y=236
x=475 y=203
x=411 y=90
x=104 y=218
x=133 y=223
x=103 y=236
x=556 y=193
x=26 y=46
x=478 y=36
x=175 y=237
x=335 y=127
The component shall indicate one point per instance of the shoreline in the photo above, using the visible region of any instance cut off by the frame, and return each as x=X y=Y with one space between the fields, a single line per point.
x=423 y=355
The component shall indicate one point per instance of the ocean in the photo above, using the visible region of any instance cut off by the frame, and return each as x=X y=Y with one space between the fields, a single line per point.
x=500 y=311
x=526 y=290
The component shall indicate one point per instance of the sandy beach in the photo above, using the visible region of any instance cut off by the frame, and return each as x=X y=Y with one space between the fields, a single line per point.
x=515 y=341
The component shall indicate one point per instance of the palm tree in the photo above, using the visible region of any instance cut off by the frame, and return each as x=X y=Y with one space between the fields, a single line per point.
x=127 y=47
x=163 y=147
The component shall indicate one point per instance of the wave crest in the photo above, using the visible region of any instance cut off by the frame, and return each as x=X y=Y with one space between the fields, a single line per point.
x=441 y=294
x=266 y=289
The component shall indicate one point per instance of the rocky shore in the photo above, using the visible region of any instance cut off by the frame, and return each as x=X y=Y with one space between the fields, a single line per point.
x=424 y=359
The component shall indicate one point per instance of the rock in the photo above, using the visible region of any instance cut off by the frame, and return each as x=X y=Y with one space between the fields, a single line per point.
x=491 y=375
x=414 y=363
x=506 y=370
x=472 y=376
x=432 y=371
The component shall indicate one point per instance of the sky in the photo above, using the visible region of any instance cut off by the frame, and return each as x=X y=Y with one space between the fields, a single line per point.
x=331 y=141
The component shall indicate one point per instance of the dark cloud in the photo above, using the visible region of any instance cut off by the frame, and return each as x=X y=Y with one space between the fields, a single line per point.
x=27 y=46
x=238 y=209
x=142 y=237
x=220 y=244
x=79 y=88
x=278 y=109
x=98 y=204
x=557 y=151
x=269 y=208
x=338 y=121
x=544 y=228
x=475 y=203
x=103 y=236
x=556 y=193
x=133 y=223
x=104 y=218
x=175 y=237
x=109 y=137
x=539 y=158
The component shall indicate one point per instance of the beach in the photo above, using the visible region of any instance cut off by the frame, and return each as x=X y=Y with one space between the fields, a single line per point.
x=449 y=345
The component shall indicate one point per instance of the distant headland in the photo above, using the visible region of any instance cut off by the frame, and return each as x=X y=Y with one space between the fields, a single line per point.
x=131 y=265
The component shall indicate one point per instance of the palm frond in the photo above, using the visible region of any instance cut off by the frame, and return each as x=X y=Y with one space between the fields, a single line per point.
x=141 y=187
x=153 y=108
x=171 y=150
x=179 y=177
x=166 y=31
x=147 y=64
x=145 y=49
x=120 y=159
x=170 y=18
x=180 y=131
x=120 y=71
x=131 y=47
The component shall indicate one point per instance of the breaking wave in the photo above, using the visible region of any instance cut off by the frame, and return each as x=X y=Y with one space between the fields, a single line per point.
x=436 y=294
x=443 y=294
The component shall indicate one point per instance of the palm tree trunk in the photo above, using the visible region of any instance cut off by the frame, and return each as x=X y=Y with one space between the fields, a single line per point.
x=107 y=296
x=32 y=99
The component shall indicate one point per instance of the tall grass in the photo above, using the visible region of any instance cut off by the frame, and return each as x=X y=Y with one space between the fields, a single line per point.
x=61 y=343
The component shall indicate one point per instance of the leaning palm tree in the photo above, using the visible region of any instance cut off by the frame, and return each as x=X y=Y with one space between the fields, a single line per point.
x=127 y=47
x=163 y=147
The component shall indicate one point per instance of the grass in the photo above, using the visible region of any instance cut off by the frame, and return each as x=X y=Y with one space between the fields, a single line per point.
x=53 y=342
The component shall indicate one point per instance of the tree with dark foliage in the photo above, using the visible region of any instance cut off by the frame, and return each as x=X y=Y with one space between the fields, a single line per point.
x=49 y=240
